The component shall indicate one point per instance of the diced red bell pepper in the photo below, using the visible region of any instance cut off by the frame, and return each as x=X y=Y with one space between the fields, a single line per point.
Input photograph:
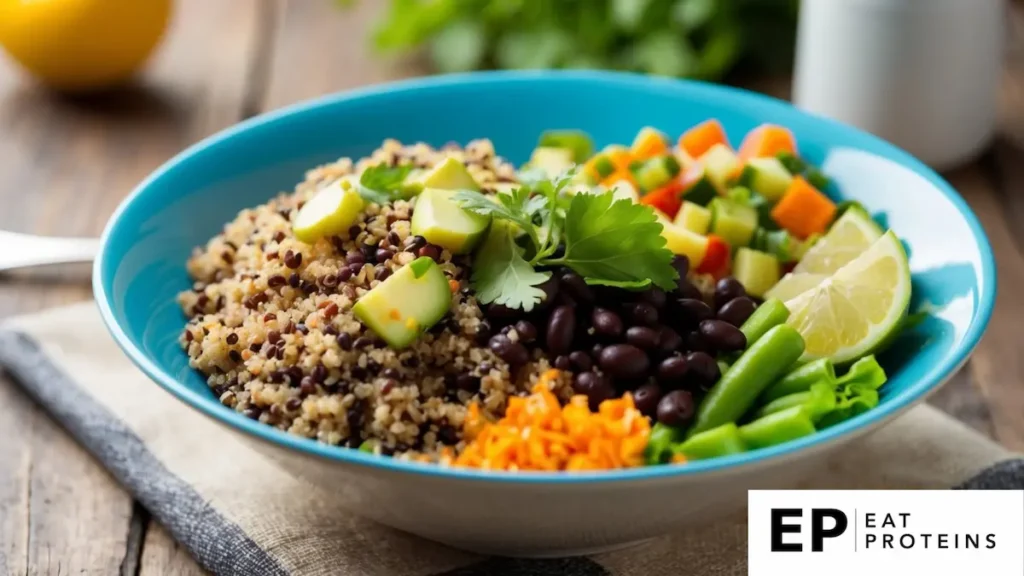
x=716 y=259
x=668 y=198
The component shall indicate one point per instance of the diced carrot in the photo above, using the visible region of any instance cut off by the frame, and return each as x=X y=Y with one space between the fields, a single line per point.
x=648 y=144
x=767 y=140
x=699 y=139
x=620 y=175
x=716 y=259
x=668 y=198
x=803 y=210
x=619 y=157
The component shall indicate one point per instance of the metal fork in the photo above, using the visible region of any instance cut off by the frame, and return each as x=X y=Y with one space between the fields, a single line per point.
x=23 y=250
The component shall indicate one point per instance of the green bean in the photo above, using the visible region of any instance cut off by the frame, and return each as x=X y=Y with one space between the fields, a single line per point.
x=737 y=390
x=720 y=441
x=819 y=400
x=767 y=316
x=723 y=366
x=800 y=380
x=777 y=428
x=659 y=445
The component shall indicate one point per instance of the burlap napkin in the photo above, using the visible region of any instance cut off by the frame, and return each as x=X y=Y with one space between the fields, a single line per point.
x=239 y=514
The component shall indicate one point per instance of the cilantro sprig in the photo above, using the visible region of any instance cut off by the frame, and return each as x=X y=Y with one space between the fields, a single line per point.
x=381 y=183
x=607 y=241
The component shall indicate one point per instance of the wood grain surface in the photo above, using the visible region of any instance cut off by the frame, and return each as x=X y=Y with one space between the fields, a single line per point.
x=223 y=61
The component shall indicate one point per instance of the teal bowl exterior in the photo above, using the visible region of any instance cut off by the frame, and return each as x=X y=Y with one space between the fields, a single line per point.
x=141 y=267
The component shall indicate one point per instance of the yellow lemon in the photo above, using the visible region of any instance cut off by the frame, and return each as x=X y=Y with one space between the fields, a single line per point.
x=78 y=45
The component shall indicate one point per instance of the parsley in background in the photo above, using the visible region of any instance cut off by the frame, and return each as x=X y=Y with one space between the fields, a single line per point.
x=695 y=38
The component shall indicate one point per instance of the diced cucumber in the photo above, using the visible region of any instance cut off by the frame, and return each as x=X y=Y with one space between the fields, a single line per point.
x=766 y=176
x=778 y=243
x=331 y=211
x=448 y=174
x=793 y=164
x=694 y=217
x=577 y=141
x=441 y=221
x=655 y=172
x=603 y=166
x=743 y=195
x=408 y=303
x=697 y=187
x=732 y=221
x=679 y=240
x=817 y=179
x=757 y=271
x=720 y=165
x=553 y=162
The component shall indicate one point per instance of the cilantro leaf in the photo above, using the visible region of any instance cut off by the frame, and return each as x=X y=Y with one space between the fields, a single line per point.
x=381 y=184
x=615 y=242
x=511 y=207
x=501 y=275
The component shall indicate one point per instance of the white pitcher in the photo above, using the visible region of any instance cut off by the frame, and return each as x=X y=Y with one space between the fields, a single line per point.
x=922 y=74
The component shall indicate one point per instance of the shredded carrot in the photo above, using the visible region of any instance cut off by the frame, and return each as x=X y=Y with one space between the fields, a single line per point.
x=537 y=433
x=804 y=210
x=702 y=137
x=767 y=140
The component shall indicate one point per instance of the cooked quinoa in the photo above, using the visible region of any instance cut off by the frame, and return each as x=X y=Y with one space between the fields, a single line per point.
x=270 y=322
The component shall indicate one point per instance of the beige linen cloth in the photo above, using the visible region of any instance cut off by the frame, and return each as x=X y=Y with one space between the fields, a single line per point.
x=239 y=514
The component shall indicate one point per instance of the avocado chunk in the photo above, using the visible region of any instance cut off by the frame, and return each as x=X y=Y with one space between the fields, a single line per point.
x=441 y=221
x=330 y=212
x=553 y=162
x=448 y=174
x=407 y=304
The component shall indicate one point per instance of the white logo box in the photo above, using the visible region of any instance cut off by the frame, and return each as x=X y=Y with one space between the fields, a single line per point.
x=899 y=532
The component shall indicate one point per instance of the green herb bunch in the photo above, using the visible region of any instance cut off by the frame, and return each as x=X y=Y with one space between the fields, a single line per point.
x=695 y=38
x=605 y=240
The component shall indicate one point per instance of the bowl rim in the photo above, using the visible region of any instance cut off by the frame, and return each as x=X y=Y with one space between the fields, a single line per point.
x=752 y=102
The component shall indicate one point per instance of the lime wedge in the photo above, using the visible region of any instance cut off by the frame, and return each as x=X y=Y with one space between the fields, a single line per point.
x=854 y=311
x=848 y=237
x=330 y=212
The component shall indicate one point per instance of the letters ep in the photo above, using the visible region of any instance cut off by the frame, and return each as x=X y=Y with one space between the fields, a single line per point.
x=780 y=527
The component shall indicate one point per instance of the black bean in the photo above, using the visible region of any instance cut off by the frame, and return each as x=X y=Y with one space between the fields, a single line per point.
x=595 y=387
x=292 y=259
x=527 y=331
x=669 y=340
x=574 y=284
x=676 y=409
x=646 y=399
x=273 y=336
x=430 y=251
x=505 y=330
x=606 y=322
x=293 y=404
x=690 y=312
x=563 y=363
x=345 y=341
x=383 y=255
x=354 y=231
x=369 y=252
x=344 y=274
x=232 y=339
x=392 y=373
x=329 y=281
x=654 y=296
x=581 y=360
x=319 y=373
x=356 y=268
x=513 y=353
x=393 y=238
x=726 y=289
x=188 y=336
x=737 y=310
x=294 y=281
x=381 y=273
x=467 y=382
x=501 y=312
x=483 y=332
x=695 y=342
x=682 y=265
x=550 y=288
x=642 y=337
x=560 y=330
x=672 y=371
x=595 y=351
x=624 y=361
x=723 y=336
x=276 y=281
x=414 y=243
x=355 y=257
x=703 y=368
x=255 y=346
x=641 y=314
x=688 y=290
x=447 y=435
x=235 y=356
x=362 y=342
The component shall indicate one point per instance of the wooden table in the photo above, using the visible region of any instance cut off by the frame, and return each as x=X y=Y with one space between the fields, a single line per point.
x=64 y=166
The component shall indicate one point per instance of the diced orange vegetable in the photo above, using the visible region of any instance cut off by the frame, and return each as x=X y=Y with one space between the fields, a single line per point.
x=767 y=140
x=803 y=210
x=668 y=198
x=621 y=157
x=716 y=259
x=648 y=144
x=699 y=139
x=619 y=175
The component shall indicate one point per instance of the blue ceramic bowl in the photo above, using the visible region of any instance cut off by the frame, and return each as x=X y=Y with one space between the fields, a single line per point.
x=142 y=266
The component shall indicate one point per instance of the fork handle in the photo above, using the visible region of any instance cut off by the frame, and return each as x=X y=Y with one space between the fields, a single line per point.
x=24 y=250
